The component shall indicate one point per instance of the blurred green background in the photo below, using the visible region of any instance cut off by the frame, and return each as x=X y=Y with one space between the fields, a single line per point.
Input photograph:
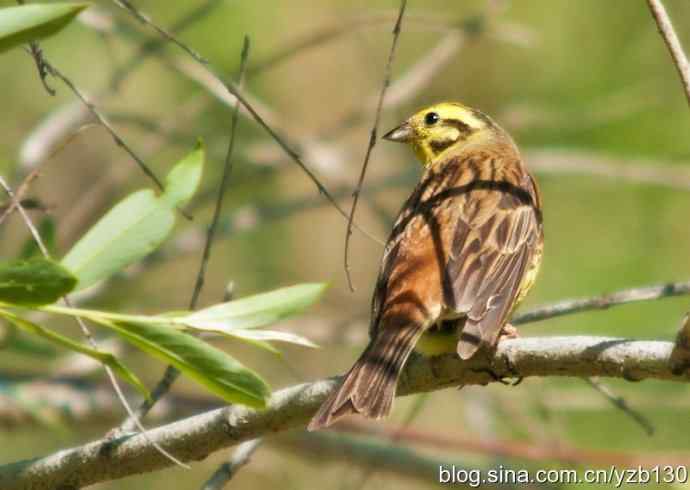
x=586 y=88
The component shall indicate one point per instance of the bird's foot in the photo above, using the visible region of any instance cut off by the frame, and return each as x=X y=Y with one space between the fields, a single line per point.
x=504 y=380
x=508 y=332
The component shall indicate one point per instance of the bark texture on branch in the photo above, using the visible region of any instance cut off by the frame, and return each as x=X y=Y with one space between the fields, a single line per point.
x=196 y=437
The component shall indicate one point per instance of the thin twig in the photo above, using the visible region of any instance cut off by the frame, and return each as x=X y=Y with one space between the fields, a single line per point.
x=666 y=30
x=27 y=220
x=66 y=119
x=619 y=402
x=227 y=471
x=282 y=142
x=145 y=19
x=172 y=373
x=405 y=87
x=85 y=330
x=559 y=162
x=222 y=187
x=44 y=67
x=603 y=302
x=319 y=37
x=104 y=122
x=372 y=138
x=37 y=54
x=235 y=91
x=153 y=45
x=16 y=197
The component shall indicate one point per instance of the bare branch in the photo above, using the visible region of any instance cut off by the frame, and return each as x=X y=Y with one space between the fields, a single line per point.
x=104 y=122
x=57 y=125
x=171 y=373
x=603 y=302
x=154 y=45
x=666 y=30
x=234 y=90
x=227 y=471
x=196 y=437
x=37 y=54
x=620 y=403
x=77 y=401
x=597 y=164
x=16 y=202
x=145 y=19
x=372 y=137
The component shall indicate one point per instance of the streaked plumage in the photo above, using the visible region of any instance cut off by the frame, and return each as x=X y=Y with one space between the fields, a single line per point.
x=464 y=251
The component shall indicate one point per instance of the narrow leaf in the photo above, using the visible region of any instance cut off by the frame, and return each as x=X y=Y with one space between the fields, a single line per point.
x=25 y=23
x=263 y=335
x=34 y=282
x=102 y=357
x=133 y=228
x=207 y=365
x=255 y=311
x=20 y=343
x=183 y=180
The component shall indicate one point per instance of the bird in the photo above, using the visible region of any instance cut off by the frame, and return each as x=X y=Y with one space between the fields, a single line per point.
x=464 y=251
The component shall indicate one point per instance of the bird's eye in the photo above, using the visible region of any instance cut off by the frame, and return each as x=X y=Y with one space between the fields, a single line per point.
x=431 y=118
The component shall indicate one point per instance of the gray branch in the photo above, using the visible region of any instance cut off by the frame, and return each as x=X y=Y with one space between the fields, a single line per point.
x=666 y=30
x=196 y=437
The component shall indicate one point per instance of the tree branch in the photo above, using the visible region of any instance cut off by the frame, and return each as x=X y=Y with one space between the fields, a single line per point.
x=666 y=30
x=196 y=437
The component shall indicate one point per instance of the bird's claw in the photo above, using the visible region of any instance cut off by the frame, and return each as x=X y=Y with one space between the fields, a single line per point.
x=508 y=332
x=501 y=379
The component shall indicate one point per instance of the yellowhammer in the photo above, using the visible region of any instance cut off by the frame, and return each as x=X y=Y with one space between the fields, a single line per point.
x=463 y=253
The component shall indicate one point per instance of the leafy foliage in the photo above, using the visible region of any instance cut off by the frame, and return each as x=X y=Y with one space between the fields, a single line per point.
x=255 y=311
x=135 y=227
x=102 y=357
x=34 y=282
x=166 y=337
x=219 y=372
x=25 y=23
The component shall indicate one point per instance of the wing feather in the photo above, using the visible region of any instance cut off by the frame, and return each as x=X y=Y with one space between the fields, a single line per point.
x=462 y=244
x=490 y=279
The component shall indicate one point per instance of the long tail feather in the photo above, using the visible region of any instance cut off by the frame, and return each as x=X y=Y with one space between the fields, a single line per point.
x=369 y=387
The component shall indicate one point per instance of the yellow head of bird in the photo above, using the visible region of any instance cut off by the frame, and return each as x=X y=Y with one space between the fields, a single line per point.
x=437 y=128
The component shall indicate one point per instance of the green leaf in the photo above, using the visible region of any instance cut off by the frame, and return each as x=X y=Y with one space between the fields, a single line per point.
x=102 y=357
x=134 y=227
x=25 y=23
x=183 y=180
x=255 y=311
x=274 y=336
x=207 y=365
x=263 y=336
x=12 y=340
x=34 y=282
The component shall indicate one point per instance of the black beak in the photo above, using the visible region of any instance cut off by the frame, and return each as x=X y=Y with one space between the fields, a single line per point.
x=401 y=134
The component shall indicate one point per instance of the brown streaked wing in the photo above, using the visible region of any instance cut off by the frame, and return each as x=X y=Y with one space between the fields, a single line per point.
x=462 y=243
x=492 y=250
